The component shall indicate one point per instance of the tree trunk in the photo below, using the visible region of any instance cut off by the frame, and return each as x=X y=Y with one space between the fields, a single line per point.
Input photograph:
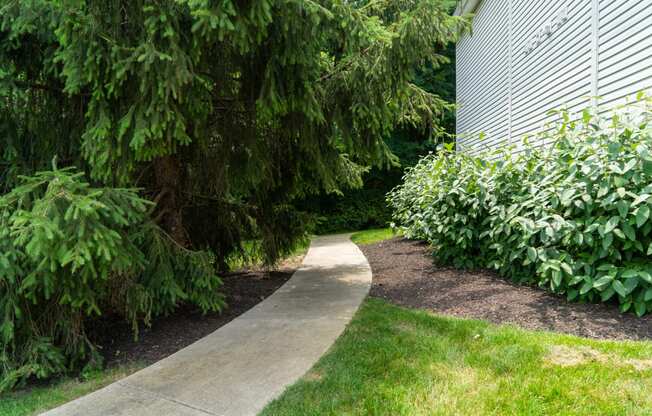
x=167 y=170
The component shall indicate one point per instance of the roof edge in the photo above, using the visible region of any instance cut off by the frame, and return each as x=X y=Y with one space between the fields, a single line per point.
x=466 y=6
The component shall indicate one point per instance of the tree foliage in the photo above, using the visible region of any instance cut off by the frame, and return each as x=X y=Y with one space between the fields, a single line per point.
x=221 y=113
x=234 y=107
x=365 y=207
x=69 y=252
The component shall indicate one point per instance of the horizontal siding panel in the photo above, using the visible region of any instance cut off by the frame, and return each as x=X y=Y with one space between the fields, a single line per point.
x=562 y=70
x=482 y=77
x=628 y=91
x=624 y=51
x=534 y=120
x=548 y=82
x=521 y=28
x=552 y=90
x=639 y=69
x=561 y=50
x=636 y=56
x=630 y=11
x=531 y=24
x=557 y=72
x=535 y=123
x=637 y=36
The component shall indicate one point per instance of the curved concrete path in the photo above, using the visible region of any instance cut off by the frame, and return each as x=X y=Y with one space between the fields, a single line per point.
x=242 y=366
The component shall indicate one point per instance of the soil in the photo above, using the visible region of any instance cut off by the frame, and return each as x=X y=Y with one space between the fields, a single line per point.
x=404 y=273
x=243 y=290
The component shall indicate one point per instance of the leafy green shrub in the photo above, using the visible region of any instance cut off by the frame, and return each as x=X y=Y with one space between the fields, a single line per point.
x=70 y=252
x=573 y=217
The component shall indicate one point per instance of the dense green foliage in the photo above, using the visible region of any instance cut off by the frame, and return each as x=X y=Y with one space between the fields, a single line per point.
x=573 y=217
x=353 y=209
x=221 y=113
x=224 y=112
x=365 y=207
x=69 y=251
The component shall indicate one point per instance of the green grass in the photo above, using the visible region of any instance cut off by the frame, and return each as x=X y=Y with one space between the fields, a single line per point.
x=396 y=361
x=37 y=399
x=373 y=236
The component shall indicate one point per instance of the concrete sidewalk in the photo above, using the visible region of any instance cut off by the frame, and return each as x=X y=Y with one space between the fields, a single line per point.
x=243 y=365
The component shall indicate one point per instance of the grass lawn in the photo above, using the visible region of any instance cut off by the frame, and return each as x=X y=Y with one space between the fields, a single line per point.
x=41 y=398
x=396 y=361
x=375 y=235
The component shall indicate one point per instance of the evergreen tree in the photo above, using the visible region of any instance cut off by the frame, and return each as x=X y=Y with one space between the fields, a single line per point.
x=220 y=111
x=365 y=207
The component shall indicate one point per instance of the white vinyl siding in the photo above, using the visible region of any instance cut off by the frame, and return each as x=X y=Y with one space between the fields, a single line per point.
x=557 y=72
x=603 y=48
x=625 y=50
x=482 y=76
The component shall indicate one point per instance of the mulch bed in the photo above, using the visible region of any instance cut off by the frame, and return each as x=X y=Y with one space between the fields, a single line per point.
x=403 y=273
x=167 y=335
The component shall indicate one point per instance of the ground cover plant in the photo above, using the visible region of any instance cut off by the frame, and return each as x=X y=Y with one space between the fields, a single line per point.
x=573 y=217
x=397 y=361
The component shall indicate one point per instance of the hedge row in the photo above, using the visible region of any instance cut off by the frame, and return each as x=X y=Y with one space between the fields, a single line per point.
x=573 y=216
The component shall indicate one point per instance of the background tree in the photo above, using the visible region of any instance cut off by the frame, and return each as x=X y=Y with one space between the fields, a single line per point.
x=365 y=207
x=221 y=113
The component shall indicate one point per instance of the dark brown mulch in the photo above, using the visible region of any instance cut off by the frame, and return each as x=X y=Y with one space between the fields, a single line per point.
x=186 y=325
x=403 y=273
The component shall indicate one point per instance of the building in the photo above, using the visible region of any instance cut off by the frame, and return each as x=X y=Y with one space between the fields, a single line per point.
x=526 y=57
